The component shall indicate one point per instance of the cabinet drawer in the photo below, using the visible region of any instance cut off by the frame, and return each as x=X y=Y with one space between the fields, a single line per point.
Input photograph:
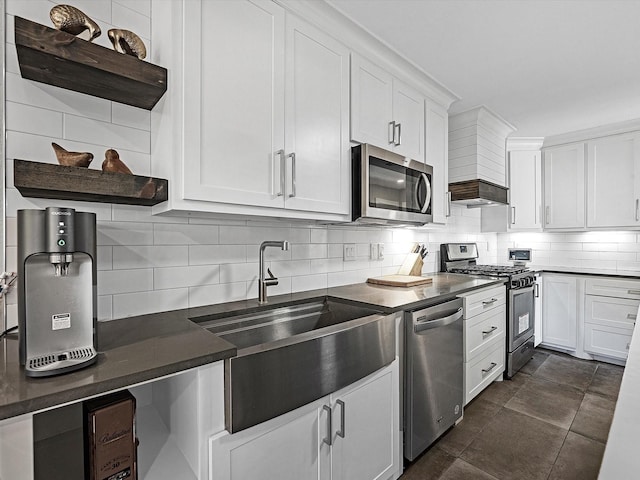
x=610 y=311
x=480 y=372
x=613 y=287
x=480 y=301
x=483 y=331
x=609 y=341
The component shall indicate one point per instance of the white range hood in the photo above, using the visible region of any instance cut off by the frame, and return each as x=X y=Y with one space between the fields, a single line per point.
x=477 y=157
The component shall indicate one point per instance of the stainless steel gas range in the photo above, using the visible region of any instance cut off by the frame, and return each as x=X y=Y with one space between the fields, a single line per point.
x=521 y=293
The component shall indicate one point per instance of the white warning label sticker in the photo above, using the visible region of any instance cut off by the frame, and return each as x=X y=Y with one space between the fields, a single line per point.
x=60 y=321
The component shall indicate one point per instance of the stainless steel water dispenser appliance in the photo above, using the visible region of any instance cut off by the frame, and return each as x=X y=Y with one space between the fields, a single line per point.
x=57 y=285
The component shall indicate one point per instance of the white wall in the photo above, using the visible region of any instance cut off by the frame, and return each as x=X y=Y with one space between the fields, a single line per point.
x=148 y=264
x=615 y=251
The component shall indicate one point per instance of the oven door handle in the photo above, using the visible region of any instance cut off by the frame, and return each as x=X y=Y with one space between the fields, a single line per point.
x=423 y=325
x=520 y=291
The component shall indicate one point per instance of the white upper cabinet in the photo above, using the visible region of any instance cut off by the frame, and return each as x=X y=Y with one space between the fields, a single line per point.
x=317 y=153
x=564 y=186
x=525 y=190
x=258 y=119
x=384 y=111
x=437 y=151
x=613 y=181
x=234 y=102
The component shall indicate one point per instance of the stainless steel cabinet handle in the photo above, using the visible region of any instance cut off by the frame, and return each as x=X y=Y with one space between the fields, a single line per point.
x=327 y=439
x=448 y=203
x=637 y=205
x=281 y=154
x=422 y=325
x=293 y=174
x=341 y=432
x=489 y=332
x=546 y=215
x=536 y=290
x=631 y=316
x=487 y=370
x=633 y=292
x=513 y=215
x=489 y=302
x=391 y=132
x=628 y=346
x=398 y=128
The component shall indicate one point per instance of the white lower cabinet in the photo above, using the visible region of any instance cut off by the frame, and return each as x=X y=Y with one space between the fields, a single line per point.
x=351 y=434
x=560 y=311
x=484 y=338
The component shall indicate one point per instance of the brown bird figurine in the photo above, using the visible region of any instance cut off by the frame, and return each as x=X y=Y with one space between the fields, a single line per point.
x=72 y=159
x=72 y=20
x=112 y=163
x=127 y=42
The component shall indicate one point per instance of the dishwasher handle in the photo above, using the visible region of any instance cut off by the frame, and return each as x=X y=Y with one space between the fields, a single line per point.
x=422 y=325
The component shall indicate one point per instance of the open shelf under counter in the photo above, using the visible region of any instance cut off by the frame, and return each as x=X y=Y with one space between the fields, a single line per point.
x=47 y=180
x=58 y=58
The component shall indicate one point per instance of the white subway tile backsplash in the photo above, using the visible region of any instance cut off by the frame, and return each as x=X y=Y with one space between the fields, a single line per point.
x=124 y=281
x=129 y=116
x=140 y=6
x=326 y=265
x=12 y=315
x=28 y=119
x=303 y=283
x=129 y=304
x=210 y=294
x=98 y=10
x=11 y=60
x=61 y=100
x=319 y=235
x=167 y=234
x=217 y=254
x=291 y=268
x=130 y=19
x=307 y=251
x=15 y=201
x=34 y=10
x=150 y=256
x=105 y=258
x=135 y=213
x=106 y=134
x=336 y=279
x=239 y=272
x=335 y=250
x=105 y=307
x=191 y=276
x=11 y=231
x=125 y=233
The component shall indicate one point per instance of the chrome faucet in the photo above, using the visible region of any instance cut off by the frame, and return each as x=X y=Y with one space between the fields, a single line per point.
x=263 y=283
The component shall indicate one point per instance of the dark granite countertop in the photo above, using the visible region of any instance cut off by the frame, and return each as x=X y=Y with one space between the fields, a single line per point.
x=138 y=349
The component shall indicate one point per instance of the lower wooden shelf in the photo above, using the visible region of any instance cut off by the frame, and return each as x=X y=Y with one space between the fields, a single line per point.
x=46 y=180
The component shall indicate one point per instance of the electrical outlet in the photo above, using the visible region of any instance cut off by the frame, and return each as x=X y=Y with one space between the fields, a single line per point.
x=349 y=252
x=381 y=251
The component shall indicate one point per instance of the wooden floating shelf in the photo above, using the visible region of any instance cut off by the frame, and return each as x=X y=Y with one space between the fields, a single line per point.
x=46 y=180
x=57 y=58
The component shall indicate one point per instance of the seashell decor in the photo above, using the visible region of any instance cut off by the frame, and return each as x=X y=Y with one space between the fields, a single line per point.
x=72 y=20
x=72 y=159
x=127 y=42
x=112 y=163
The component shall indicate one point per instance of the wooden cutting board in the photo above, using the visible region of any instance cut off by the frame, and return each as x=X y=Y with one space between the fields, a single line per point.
x=400 y=280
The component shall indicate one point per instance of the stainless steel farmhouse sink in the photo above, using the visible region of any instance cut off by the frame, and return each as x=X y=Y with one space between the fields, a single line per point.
x=291 y=355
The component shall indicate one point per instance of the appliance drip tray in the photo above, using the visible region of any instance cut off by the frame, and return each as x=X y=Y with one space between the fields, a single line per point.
x=60 y=362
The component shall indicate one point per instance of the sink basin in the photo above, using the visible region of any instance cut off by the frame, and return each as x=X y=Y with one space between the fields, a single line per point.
x=264 y=327
x=291 y=355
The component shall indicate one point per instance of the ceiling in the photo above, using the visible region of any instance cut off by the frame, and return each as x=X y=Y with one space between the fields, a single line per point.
x=545 y=66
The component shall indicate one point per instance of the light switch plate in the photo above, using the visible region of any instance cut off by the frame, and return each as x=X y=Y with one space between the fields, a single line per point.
x=349 y=252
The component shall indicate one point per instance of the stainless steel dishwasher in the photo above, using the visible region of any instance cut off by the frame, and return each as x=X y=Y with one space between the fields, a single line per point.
x=433 y=374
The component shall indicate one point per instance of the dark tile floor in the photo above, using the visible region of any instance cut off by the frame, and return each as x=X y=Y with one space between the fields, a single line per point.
x=550 y=421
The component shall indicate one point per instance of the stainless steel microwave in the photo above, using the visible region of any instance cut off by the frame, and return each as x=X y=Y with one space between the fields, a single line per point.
x=388 y=188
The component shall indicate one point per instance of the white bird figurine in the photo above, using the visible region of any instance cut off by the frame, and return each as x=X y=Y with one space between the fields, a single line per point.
x=72 y=20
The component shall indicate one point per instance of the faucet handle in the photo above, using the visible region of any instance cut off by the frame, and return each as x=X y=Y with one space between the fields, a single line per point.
x=271 y=276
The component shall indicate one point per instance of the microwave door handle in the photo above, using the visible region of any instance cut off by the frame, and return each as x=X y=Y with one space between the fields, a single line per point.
x=427 y=200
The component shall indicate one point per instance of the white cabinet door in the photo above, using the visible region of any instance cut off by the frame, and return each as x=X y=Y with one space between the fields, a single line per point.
x=559 y=315
x=609 y=341
x=525 y=189
x=436 y=155
x=317 y=121
x=386 y=112
x=289 y=447
x=408 y=113
x=371 y=104
x=233 y=102
x=613 y=181
x=564 y=197
x=366 y=428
